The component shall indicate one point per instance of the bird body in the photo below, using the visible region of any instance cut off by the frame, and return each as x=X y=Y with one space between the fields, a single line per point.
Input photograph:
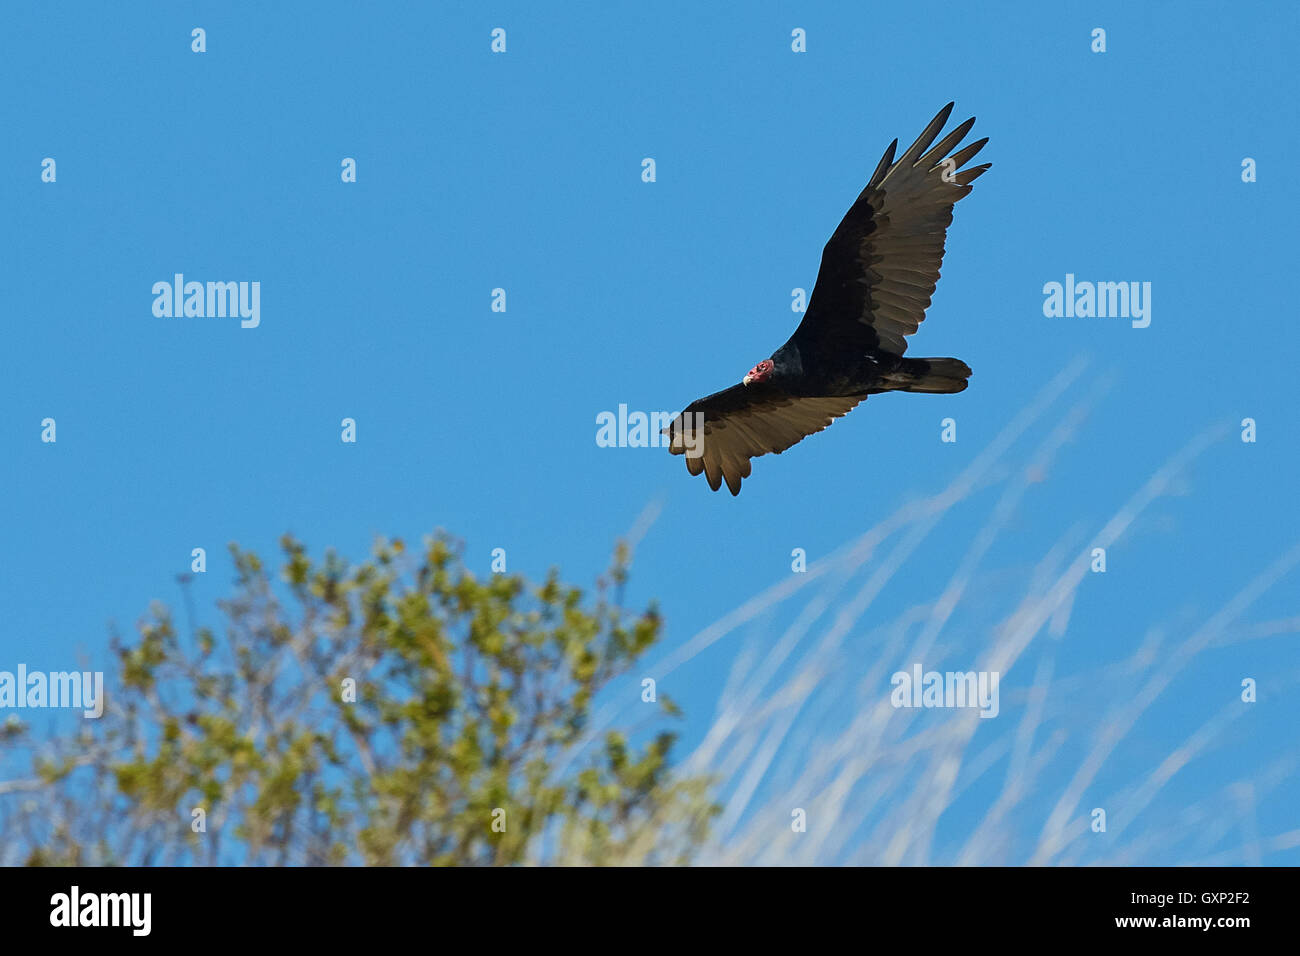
x=878 y=271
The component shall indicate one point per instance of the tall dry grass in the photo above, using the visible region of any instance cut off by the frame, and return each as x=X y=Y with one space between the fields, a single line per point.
x=805 y=719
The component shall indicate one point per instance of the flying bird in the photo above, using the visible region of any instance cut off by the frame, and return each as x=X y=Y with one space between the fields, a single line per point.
x=877 y=274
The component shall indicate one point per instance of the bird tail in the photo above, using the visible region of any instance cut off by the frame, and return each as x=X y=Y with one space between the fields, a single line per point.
x=939 y=376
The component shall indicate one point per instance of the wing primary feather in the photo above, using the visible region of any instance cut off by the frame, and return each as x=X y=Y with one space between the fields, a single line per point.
x=882 y=167
x=940 y=150
x=927 y=136
x=968 y=176
x=968 y=152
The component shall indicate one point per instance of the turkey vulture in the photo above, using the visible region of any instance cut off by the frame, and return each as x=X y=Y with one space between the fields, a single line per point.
x=877 y=274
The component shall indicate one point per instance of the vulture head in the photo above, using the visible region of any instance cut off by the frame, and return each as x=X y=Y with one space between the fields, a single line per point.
x=760 y=372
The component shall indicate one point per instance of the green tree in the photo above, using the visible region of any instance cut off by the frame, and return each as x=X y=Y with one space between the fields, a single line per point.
x=396 y=711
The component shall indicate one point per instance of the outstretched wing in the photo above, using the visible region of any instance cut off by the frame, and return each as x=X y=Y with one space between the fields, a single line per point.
x=880 y=267
x=743 y=422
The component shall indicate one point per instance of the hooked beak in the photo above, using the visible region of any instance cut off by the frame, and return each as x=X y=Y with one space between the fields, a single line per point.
x=746 y=380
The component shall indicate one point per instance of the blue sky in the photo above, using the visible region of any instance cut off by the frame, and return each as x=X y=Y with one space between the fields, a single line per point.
x=523 y=171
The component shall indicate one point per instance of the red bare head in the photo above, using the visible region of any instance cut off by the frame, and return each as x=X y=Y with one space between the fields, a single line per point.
x=760 y=372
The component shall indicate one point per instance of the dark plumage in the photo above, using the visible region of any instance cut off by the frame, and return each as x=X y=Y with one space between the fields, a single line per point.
x=877 y=274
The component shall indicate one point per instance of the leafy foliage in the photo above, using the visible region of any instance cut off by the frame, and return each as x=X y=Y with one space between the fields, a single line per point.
x=398 y=711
